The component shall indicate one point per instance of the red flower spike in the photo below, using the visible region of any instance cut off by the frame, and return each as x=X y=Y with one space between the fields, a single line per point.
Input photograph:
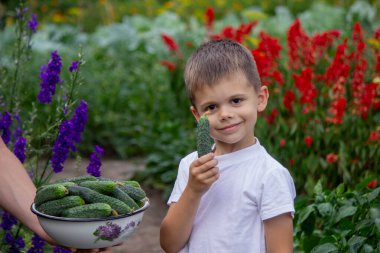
x=170 y=42
x=169 y=65
x=308 y=141
x=372 y=184
x=209 y=17
x=331 y=158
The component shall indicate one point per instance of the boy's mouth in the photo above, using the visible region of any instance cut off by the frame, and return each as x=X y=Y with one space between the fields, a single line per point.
x=229 y=128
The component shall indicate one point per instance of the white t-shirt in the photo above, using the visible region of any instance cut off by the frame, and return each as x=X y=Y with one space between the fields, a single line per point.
x=252 y=187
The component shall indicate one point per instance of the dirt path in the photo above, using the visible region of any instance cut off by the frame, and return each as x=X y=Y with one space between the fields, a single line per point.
x=146 y=238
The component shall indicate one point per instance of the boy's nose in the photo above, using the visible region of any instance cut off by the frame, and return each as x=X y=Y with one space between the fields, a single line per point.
x=225 y=113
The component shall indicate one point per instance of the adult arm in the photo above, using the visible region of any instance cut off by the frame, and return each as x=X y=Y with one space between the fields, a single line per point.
x=17 y=191
x=177 y=225
x=279 y=234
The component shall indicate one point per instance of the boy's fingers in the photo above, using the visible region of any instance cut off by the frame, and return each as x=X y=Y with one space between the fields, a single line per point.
x=203 y=159
x=212 y=179
x=209 y=174
x=207 y=166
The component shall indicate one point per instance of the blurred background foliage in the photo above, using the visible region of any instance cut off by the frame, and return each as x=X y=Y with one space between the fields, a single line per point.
x=138 y=106
x=87 y=15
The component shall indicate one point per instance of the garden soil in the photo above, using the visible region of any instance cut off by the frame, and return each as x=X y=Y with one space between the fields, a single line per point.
x=146 y=238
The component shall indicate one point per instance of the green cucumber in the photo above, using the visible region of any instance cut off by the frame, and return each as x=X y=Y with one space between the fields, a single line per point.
x=56 y=207
x=65 y=184
x=123 y=196
x=132 y=183
x=105 y=187
x=137 y=194
x=50 y=192
x=204 y=140
x=95 y=210
x=91 y=196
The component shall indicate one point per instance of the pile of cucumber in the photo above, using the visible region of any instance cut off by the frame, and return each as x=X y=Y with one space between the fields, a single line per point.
x=89 y=197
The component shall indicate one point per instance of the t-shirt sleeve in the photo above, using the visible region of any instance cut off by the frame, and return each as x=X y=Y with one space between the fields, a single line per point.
x=278 y=193
x=180 y=182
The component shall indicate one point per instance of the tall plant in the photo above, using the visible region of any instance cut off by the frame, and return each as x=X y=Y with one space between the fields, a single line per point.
x=43 y=147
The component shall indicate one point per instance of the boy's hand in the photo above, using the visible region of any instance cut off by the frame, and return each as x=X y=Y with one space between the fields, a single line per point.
x=203 y=173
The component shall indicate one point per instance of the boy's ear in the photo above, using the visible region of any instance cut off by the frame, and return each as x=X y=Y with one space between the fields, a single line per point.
x=195 y=112
x=262 y=98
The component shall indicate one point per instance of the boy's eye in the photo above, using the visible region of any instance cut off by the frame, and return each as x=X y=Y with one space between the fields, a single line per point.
x=210 y=108
x=236 y=101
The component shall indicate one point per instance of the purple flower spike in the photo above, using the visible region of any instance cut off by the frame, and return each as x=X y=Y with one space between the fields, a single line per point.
x=93 y=167
x=69 y=134
x=38 y=245
x=62 y=146
x=33 y=23
x=49 y=76
x=19 y=149
x=74 y=66
x=79 y=120
x=7 y=221
x=5 y=123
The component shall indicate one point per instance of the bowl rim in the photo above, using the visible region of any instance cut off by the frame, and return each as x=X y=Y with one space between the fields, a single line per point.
x=38 y=213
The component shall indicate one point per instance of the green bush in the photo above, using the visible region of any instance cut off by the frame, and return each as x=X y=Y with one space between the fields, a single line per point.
x=338 y=221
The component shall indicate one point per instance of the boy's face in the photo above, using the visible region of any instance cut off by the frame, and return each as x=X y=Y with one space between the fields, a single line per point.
x=233 y=105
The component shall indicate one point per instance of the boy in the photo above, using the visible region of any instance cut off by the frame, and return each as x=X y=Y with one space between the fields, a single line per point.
x=238 y=198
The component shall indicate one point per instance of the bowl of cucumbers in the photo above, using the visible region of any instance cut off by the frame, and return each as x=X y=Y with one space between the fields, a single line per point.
x=87 y=212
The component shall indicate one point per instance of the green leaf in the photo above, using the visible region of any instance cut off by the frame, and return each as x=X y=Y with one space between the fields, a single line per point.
x=325 y=209
x=325 y=248
x=345 y=211
x=373 y=194
x=305 y=213
x=340 y=189
x=356 y=242
x=318 y=188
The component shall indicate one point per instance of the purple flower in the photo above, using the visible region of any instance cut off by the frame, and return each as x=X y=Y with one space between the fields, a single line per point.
x=49 y=74
x=60 y=250
x=15 y=243
x=38 y=245
x=108 y=232
x=69 y=134
x=19 y=149
x=8 y=238
x=7 y=221
x=79 y=120
x=74 y=66
x=19 y=242
x=5 y=123
x=33 y=23
x=62 y=146
x=93 y=167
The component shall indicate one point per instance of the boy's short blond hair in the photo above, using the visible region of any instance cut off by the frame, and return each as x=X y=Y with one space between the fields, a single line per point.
x=217 y=59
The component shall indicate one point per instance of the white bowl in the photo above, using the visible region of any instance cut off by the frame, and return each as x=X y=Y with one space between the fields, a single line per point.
x=90 y=233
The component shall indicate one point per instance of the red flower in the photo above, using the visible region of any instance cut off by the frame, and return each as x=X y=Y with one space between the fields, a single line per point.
x=170 y=65
x=331 y=158
x=308 y=140
x=272 y=116
x=372 y=184
x=170 y=42
x=307 y=89
x=210 y=17
x=374 y=136
x=282 y=143
x=288 y=100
